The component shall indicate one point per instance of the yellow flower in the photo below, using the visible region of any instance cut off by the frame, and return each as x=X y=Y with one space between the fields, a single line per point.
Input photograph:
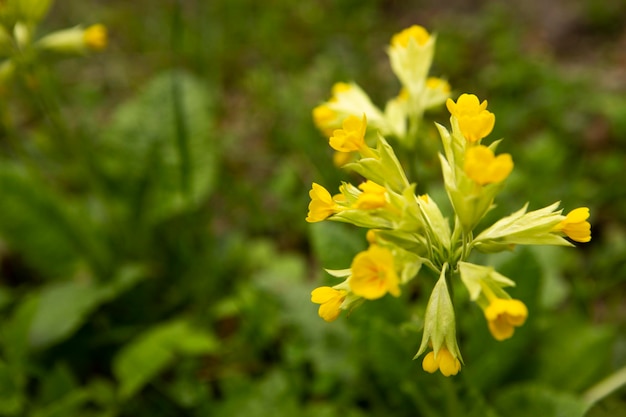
x=576 y=226
x=374 y=274
x=475 y=121
x=504 y=315
x=484 y=168
x=374 y=196
x=323 y=117
x=444 y=362
x=415 y=32
x=351 y=137
x=322 y=204
x=342 y=158
x=95 y=37
x=330 y=301
x=434 y=83
x=339 y=87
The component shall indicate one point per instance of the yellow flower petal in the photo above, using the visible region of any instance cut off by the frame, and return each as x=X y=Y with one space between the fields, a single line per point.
x=475 y=121
x=576 y=226
x=373 y=274
x=95 y=37
x=330 y=301
x=484 y=168
x=504 y=315
x=415 y=32
x=352 y=137
x=321 y=206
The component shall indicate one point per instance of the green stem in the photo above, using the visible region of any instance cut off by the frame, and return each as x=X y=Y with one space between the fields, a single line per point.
x=605 y=387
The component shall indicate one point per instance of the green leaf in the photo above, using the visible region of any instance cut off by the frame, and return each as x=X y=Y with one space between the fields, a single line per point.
x=49 y=231
x=144 y=358
x=536 y=400
x=63 y=307
x=161 y=147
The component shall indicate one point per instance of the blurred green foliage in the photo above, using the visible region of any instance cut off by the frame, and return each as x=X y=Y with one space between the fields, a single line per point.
x=154 y=258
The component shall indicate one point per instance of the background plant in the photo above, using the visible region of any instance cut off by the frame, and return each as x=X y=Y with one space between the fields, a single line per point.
x=140 y=281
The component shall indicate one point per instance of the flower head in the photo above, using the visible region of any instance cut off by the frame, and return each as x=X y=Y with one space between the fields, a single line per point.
x=576 y=226
x=503 y=315
x=444 y=361
x=374 y=274
x=417 y=33
x=330 y=300
x=322 y=204
x=351 y=137
x=475 y=121
x=95 y=37
x=374 y=196
x=484 y=168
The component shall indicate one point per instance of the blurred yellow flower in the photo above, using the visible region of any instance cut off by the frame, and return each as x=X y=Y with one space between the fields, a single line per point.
x=444 y=362
x=475 y=121
x=374 y=274
x=374 y=196
x=351 y=137
x=484 y=168
x=504 y=315
x=330 y=301
x=95 y=37
x=576 y=226
x=322 y=204
x=415 y=32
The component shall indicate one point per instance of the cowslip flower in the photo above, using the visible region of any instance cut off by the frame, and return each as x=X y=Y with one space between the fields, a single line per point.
x=352 y=137
x=503 y=315
x=330 y=300
x=322 y=204
x=416 y=33
x=576 y=226
x=374 y=274
x=95 y=37
x=444 y=361
x=484 y=168
x=475 y=121
x=374 y=196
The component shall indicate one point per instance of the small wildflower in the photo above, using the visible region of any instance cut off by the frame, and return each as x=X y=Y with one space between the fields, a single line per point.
x=576 y=226
x=323 y=116
x=374 y=274
x=351 y=137
x=342 y=158
x=444 y=362
x=322 y=204
x=95 y=37
x=330 y=301
x=504 y=315
x=484 y=168
x=475 y=121
x=415 y=32
x=374 y=196
x=435 y=83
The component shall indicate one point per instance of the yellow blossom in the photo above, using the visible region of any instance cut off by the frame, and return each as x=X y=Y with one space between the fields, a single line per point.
x=342 y=158
x=444 y=362
x=330 y=301
x=351 y=137
x=339 y=87
x=475 y=121
x=435 y=83
x=323 y=117
x=576 y=226
x=484 y=168
x=503 y=315
x=415 y=32
x=322 y=204
x=374 y=196
x=95 y=37
x=374 y=274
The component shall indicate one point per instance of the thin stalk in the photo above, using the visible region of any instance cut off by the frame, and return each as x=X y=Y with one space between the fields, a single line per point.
x=605 y=387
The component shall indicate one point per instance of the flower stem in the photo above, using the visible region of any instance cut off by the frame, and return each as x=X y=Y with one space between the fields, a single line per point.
x=605 y=387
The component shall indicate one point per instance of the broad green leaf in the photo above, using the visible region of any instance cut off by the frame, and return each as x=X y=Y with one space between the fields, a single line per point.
x=161 y=146
x=49 y=231
x=144 y=358
x=63 y=307
x=536 y=400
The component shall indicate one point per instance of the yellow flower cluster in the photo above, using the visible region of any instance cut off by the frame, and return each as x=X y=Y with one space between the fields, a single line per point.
x=408 y=231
